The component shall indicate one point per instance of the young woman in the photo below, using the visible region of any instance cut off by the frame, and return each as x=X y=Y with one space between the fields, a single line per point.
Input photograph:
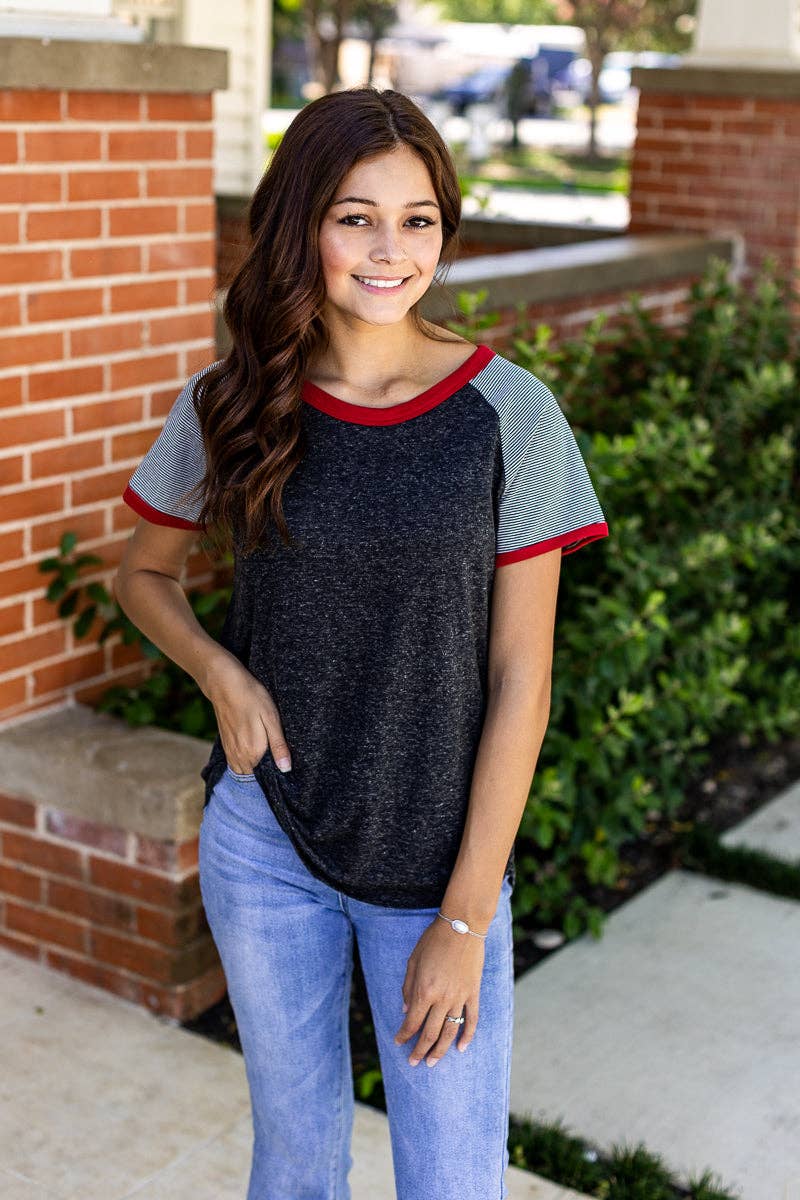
x=398 y=500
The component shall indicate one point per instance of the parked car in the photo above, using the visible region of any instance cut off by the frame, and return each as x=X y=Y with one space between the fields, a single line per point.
x=614 y=81
x=559 y=62
x=481 y=87
x=543 y=73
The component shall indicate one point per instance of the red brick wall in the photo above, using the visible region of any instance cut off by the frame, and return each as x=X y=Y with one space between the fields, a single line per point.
x=472 y=248
x=712 y=162
x=232 y=242
x=107 y=272
x=108 y=906
x=665 y=302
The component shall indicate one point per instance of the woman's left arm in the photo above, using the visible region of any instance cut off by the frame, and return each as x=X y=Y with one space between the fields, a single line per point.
x=518 y=709
x=444 y=970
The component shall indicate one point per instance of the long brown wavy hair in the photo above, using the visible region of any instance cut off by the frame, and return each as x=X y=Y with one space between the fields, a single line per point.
x=249 y=403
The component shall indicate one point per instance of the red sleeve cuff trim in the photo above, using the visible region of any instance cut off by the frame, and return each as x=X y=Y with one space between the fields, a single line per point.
x=575 y=537
x=155 y=515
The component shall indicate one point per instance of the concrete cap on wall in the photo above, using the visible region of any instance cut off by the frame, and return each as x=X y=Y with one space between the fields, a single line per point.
x=555 y=273
x=730 y=79
x=73 y=65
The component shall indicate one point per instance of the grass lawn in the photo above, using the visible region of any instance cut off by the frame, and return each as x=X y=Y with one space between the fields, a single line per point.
x=550 y=170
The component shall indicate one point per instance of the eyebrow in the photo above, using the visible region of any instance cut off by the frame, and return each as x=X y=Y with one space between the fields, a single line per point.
x=374 y=203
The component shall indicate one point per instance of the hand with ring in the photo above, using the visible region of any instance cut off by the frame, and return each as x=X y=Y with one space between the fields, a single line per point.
x=441 y=991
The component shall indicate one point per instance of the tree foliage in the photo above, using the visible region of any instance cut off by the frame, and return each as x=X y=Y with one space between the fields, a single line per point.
x=630 y=24
x=624 y=25
x=501 y=12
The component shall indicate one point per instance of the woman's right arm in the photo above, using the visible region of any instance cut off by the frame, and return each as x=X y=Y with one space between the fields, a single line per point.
x=148 y=588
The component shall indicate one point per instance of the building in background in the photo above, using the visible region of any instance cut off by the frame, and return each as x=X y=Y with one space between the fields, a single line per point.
x=242 y=27
x=87 y=20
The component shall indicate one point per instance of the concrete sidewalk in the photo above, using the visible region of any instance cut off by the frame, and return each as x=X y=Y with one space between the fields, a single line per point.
x=680 y=1028
x=101 y=1100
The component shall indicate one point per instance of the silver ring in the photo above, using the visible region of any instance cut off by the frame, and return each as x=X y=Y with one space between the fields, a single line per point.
x=456 y=1020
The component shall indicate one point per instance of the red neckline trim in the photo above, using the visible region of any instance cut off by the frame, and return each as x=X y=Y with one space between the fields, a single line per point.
x=365 y=414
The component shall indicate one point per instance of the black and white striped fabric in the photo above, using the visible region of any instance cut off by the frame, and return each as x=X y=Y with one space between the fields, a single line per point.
x=371 y=630
x=547 y=499
x=175 y=462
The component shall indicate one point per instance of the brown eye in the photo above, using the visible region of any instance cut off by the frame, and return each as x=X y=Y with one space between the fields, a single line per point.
x=426 y=221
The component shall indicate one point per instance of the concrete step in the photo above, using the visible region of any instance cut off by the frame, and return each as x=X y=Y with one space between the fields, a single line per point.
x=680 y=1028
x=774 y=828
x=100 y=1100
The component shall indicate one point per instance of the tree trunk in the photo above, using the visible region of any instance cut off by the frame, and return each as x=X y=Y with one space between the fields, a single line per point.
x=314 y=46
x=373 y=49
x=596 y=59
x=329 y=53
x=325 y=50
x=341 y=15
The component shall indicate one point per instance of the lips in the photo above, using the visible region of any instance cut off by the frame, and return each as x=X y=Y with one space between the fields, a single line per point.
x=377 y=289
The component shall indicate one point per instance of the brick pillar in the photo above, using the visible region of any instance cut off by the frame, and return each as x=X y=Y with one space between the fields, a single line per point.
x=717 y=150
x=107 y=289
x=98 y=857
x=107 y=281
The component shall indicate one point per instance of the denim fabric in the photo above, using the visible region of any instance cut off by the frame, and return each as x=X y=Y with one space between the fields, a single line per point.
x=285 y=939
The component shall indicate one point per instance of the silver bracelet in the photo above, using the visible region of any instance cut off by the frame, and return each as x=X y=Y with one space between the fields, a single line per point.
x=461 y=926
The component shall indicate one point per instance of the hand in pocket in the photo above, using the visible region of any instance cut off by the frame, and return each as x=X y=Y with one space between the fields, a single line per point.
x=248 y=720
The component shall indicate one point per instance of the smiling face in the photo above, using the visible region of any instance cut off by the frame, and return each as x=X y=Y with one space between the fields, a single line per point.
x=380 y=239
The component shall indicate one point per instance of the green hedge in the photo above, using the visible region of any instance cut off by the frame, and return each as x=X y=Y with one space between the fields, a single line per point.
x=676 y=628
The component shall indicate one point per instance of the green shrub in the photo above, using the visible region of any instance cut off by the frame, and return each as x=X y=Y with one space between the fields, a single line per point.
x=168 y=697
x=677 y=627
x=624 y=1172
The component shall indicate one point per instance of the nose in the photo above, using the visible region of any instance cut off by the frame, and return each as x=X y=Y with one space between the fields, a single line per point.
x=388 y=248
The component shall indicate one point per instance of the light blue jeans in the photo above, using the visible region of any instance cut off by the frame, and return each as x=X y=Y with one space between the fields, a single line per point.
x=285 y=940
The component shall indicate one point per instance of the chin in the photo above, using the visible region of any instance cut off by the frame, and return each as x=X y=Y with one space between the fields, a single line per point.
x=396 y=319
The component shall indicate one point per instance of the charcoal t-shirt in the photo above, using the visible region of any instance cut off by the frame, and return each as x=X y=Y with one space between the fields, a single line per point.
x=371 y=632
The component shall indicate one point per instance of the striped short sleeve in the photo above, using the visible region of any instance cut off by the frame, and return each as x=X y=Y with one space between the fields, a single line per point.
x=547 y=499
x=173 y=464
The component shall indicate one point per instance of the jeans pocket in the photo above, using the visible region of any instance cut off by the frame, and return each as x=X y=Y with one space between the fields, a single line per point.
x=243 y=778
x=274 y=781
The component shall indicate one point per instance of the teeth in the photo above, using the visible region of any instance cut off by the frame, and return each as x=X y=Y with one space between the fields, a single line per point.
x=381 y=283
